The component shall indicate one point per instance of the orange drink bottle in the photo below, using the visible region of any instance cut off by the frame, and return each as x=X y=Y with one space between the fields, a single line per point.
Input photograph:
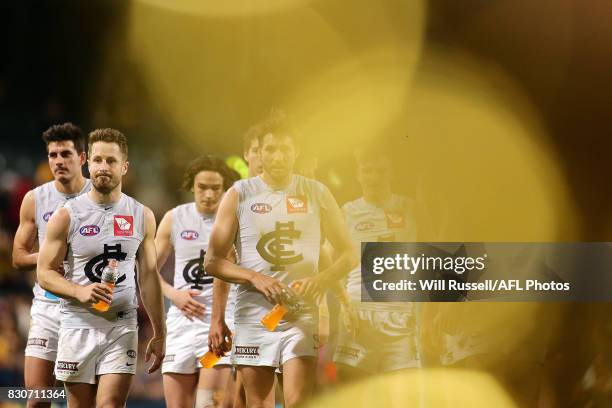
x=274 y=316
x=290 y=304
x=109 y=277
x=209 y=359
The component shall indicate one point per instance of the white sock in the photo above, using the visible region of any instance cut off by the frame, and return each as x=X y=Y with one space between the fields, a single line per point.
x=204 y=398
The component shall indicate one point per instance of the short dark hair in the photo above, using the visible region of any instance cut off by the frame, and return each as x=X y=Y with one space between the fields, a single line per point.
x=207 y=163
x=278 y=122
x=109 y=135
x=65 y=132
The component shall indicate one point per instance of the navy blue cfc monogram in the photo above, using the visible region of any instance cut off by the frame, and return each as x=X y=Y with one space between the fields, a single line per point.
x=93 y=268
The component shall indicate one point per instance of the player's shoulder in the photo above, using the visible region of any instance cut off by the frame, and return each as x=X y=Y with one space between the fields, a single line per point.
x=248 y=187
x=61 y=216
x=44 y=187
x=351 y=206
x=246 y=184
x=44 y=190
x=309 y=185
x=182 y=208
x=132 y=202
x=29 y=198
x=78 y=203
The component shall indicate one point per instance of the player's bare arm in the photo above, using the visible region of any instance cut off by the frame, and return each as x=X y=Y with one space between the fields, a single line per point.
x=50 y=257
x=219 y=336
x=183 y=299
x=220 y=245
x=25 y=237
x=150 y=292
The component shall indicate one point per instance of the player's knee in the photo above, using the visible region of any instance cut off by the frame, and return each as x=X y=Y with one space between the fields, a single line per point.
x=110 y=402
x=294 y=398
x=179 y=401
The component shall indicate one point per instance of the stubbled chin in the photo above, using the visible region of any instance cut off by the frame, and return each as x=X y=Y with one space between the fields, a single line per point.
x=103 y=188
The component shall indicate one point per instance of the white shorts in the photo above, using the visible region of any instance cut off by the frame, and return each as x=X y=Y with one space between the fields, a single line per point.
x=386 y=341
x=85 y=353
x=44 y=328
x=254 y=345
x=186 y=343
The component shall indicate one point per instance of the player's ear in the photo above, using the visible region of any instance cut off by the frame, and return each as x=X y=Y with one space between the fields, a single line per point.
x=82 y=157
x=124 y=170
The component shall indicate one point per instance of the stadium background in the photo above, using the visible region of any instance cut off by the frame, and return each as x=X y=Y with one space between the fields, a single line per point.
x=501 y=108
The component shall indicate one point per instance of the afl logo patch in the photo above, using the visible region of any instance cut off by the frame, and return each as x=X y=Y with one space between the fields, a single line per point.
x=364 y=226
x=297 y=204
x=89 y=230
x=47 y=215
x=261 y=208
x=189 y=235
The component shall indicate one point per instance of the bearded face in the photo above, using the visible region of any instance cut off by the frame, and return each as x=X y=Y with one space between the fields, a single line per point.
x=107 y=166
x=105 y=182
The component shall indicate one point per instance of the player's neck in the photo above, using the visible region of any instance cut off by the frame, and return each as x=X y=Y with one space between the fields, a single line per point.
x=72 y=187
x=276 y=184
x=203 y=212
x=378 y=199
x=101 y=198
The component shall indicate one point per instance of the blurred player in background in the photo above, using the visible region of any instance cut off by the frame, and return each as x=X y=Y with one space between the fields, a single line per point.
x=66 y=153
x=250 y=151
x=385 y=336
x=97 y=349
x=185 y=230
x=277 y=220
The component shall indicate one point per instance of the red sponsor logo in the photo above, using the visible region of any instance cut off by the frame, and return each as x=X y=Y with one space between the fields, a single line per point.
x=394 y=220
x=297 y=204
x=124 y=225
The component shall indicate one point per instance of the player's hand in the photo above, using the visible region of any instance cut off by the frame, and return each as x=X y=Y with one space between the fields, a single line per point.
x=308 y=288
x=219 y=338
x=271 y=288
x=94 y=293
x=156 y=347
x=183 y=299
